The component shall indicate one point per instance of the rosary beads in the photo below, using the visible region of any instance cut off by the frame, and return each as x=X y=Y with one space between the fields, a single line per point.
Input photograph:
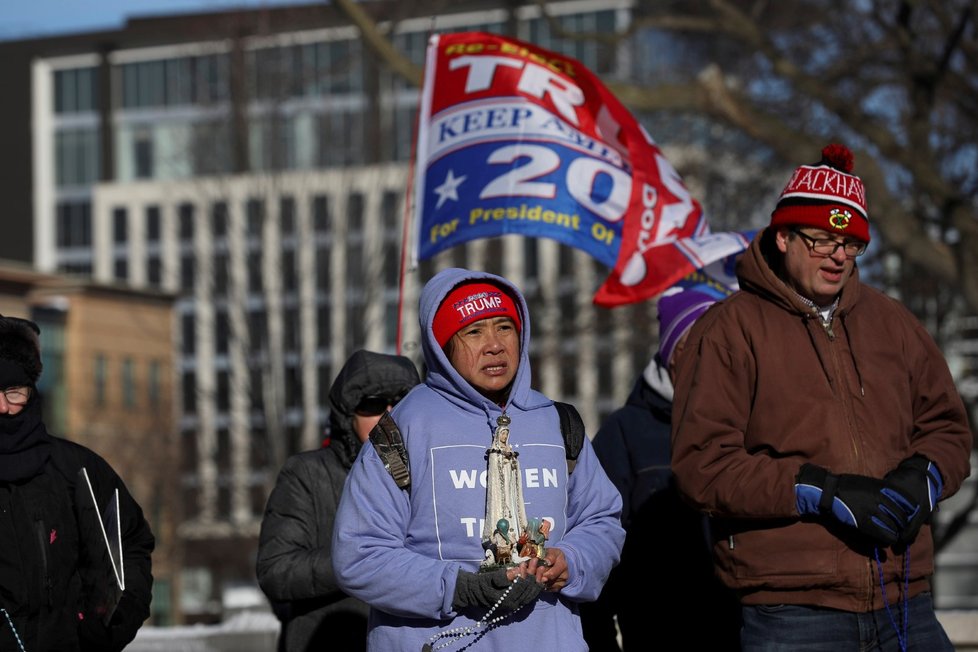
x=13 y=629
x=456 y=633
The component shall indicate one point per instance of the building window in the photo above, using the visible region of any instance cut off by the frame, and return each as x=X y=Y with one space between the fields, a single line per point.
x=220 y=274
x=291 y=328
x=254 y=272
x=322 y=267
x=142 y=153
x=290 y=280
x=75 y=269
x=212 y=78
x=120 y=269
x=210 y=148
x=154 y=383
x=154 y=271
x=256 y=331
x=179 y=77
x=101 y=379
x=391 y=230
x=531 y=259
x=74 y=224
x=223 y=391
x=256 y=217
x=153 y=223
x=404 y=120
x=187 y=268
x=174 y=82
x=128 y=383
x=223 y=501
x=320 y=213
x=188 y=452
x=222 y=332
x=219 y=219
x=76 y=157
x=293 y=387
x=354 y=213
x=120 y=225
x=354 y=323
x=287 y=215
x=186 y=219
x=223 y=457
x=187 y=334
x=75 y=90
x=257 y=390
x=189 y=386
x=322 y=327
x=340 y=139
x=143 y=84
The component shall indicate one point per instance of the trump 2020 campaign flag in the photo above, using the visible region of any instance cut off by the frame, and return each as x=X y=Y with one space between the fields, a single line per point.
x=718 y=276
x=517 y=139
x=648 y=271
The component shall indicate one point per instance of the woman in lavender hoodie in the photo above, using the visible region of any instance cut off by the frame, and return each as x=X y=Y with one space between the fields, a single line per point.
x=417 y=555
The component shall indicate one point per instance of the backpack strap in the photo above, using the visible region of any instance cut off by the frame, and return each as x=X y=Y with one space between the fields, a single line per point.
x=387 y=439
x=572 y=428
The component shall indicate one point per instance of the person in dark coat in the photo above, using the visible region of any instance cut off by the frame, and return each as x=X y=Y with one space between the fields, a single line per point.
x=294 y=559
x=667 y=549
x=58 y=588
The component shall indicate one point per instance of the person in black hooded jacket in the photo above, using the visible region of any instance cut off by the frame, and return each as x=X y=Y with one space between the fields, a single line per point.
x=58 y=590
x=294 y=566
x=667 y=542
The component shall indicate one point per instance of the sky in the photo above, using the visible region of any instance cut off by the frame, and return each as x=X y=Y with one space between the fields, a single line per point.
x=21 y=19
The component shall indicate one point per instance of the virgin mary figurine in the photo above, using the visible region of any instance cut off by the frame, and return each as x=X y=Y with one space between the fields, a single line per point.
x=504 y=499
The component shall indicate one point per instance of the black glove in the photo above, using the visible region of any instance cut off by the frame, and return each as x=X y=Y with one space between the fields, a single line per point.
x=856 y=500
x=916 y=486
x=127 y=618
x=485 y=590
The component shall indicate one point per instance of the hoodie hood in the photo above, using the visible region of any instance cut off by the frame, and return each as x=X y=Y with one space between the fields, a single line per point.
x=442 y=376
x=365 y=373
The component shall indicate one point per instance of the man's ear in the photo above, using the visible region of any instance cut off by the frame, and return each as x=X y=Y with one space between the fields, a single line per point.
x=781 y=237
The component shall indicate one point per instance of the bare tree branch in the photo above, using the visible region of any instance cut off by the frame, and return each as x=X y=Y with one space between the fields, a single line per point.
x=379 y=43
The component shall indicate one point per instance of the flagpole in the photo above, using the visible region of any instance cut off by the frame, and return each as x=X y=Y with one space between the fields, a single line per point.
x=408 y=208
x=405 y=236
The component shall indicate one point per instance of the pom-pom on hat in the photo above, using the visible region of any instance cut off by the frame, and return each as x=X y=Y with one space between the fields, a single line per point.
x=826 y=196
x=20 y=352
x=468 y=303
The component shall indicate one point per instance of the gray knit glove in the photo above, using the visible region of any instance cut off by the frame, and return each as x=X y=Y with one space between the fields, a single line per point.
x=486 y=589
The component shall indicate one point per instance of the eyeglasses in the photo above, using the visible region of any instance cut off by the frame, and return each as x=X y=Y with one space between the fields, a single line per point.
x=17 y=395
x=371 y=406
x=828 y=246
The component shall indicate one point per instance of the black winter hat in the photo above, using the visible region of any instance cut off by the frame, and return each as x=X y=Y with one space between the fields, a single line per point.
x=20 y=352
x=366 y=373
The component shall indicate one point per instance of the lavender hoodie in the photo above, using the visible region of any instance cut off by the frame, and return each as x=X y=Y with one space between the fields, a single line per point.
x=401 y=550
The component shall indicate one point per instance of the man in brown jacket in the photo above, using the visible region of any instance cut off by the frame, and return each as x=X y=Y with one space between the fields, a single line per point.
x=816 y=420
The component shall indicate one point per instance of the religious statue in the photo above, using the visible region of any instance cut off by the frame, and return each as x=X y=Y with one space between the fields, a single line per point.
x=504 y=499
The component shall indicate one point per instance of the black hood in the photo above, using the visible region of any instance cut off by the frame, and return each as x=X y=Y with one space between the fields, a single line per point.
x=365 y=374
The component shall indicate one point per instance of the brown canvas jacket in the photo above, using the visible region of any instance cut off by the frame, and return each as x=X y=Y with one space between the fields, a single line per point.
x=764 y=388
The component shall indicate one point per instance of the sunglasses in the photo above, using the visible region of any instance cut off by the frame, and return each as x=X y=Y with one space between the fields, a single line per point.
x=371 y=406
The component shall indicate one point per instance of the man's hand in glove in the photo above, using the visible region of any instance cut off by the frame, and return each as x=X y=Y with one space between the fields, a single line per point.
x=856 y=500
x=916 y=487
x=485 y=590
x=96 y=636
